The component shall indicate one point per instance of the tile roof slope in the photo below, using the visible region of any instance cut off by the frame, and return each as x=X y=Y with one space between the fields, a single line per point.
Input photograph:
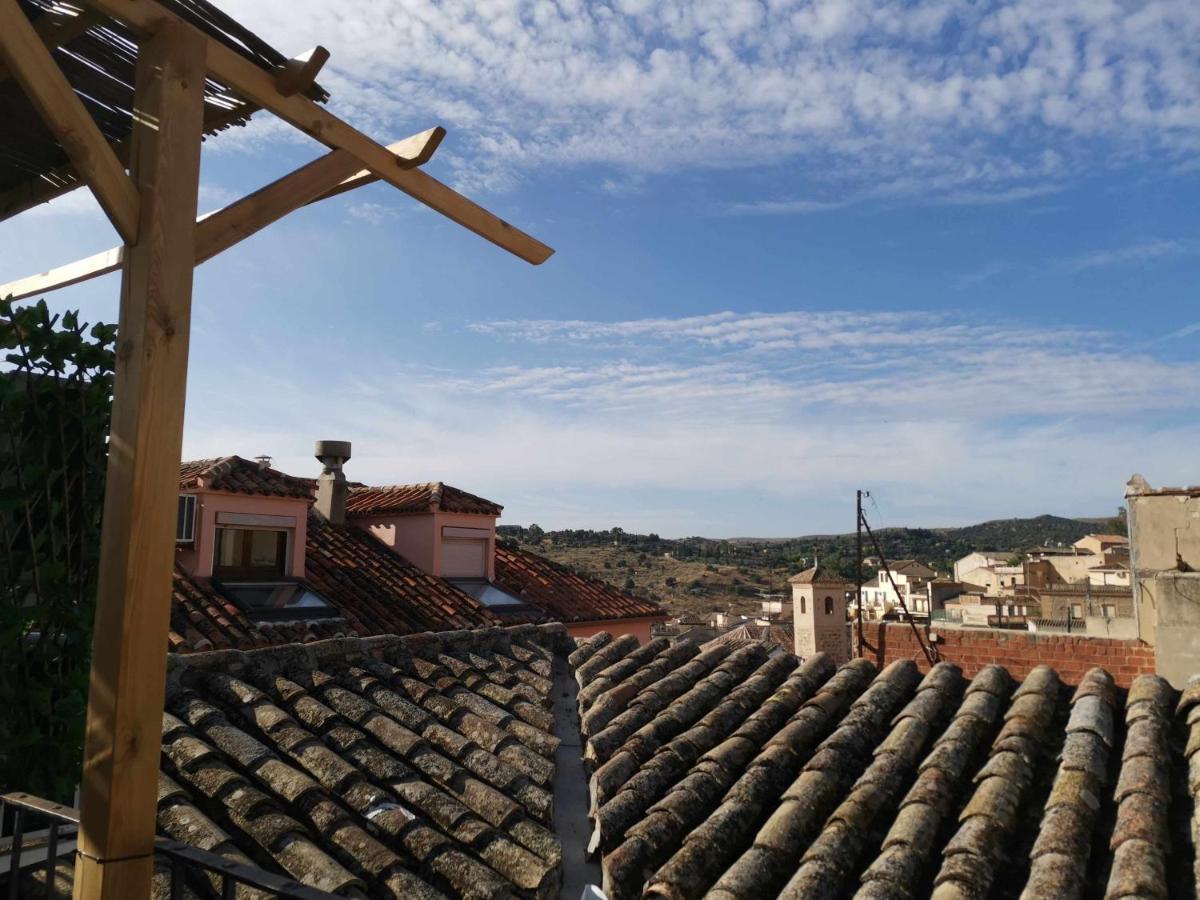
x=564 y=594
x=397 y=499
x=418 y=766
x=818 y=575
x=378 y=590
x=745 y=775
x=202 y=619
x=241 y=476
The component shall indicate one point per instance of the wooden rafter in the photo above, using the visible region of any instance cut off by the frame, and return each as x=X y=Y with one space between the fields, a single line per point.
x=260 y=87
x=334 y=173
x=68 y=120
x=56 y=30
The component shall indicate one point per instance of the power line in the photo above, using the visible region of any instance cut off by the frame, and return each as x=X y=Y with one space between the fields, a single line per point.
x=929 y=650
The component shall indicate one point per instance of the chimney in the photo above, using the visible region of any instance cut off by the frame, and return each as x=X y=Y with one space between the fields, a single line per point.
x=263 y=460
x=331 y=484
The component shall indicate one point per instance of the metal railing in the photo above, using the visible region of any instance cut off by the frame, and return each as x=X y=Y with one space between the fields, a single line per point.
x=182 y=861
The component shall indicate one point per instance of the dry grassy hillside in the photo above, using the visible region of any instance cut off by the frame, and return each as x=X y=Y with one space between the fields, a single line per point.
x=681 y=586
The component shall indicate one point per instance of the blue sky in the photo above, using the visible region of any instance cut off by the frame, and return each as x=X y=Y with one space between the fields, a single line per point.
x=946 y=251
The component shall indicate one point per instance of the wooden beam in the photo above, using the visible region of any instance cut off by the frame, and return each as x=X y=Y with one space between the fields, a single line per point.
x=258 y=86
x=137 y=543
x=315 y=181
x=300 y=72
x=67 y=118
x=56 y=29
x=64 y=276
x=321 y=179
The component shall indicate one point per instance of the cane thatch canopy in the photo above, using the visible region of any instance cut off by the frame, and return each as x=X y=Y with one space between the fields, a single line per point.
x=98 y=56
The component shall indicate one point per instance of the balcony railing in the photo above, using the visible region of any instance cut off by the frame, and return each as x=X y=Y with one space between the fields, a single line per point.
x=41 y=828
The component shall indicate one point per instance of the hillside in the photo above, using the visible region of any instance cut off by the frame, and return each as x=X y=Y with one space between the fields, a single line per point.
x=696 y=574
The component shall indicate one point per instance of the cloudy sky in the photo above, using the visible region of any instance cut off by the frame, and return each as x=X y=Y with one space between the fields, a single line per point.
x=947 y=251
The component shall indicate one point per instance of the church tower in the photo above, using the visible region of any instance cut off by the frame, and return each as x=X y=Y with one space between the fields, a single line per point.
x=819 y=613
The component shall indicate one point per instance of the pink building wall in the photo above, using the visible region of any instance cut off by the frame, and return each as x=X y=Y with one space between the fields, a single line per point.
x=418 y=536
x=198 y=557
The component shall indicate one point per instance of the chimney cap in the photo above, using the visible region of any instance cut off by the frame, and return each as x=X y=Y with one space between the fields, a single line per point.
x=338 y=451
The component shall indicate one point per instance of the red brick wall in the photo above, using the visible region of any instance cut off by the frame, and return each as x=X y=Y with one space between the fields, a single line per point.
x=1017 y=651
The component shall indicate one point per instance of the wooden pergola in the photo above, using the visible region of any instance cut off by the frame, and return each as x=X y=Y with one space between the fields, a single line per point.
x=118 y=95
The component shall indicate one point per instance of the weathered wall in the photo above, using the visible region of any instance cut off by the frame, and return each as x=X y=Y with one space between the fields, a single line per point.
x=1018 y=651
x=1174 y=598
x=1161 y=525
x=817 y=630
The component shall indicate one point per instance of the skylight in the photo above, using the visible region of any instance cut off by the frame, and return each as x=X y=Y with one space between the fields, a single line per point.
x=267 y=600
x=486 y=592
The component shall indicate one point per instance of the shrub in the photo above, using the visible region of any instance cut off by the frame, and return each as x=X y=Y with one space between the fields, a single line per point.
x=54 y=413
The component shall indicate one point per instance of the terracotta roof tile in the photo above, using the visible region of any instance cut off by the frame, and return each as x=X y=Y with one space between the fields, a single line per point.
x=202 y=619
x=757 y=777
x=241 y=476
x=818 y=575
x=562 y=594
x=400 y=499
x=378 y=590
x=370 y=767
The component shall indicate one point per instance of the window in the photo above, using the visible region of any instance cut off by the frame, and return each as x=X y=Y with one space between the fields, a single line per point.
x=1108 y=610
x=185 y=519
x=803 y=606
x=486 y=592
x=250 y=553
x=267 y=600
x=464 y=552
x=829 y=606
x=1076 y=610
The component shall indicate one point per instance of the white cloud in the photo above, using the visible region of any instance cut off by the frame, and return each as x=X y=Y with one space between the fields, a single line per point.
x=1142 y=252
x=755 y=423
x=977 y=104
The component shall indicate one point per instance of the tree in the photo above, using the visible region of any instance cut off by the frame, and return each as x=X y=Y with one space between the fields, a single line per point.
x=54 y=413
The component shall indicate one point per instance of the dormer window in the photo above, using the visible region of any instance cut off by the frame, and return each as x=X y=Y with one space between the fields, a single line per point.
x=250 y=553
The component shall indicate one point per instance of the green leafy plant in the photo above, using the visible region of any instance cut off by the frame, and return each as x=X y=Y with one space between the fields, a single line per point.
x=55 y=401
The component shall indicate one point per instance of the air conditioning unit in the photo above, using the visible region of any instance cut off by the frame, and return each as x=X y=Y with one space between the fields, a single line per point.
x=185 y=520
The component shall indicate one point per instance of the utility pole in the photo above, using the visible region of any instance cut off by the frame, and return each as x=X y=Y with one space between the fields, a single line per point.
x=858 y=581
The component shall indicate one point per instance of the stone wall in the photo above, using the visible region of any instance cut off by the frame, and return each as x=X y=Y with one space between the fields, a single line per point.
x=1017 y=651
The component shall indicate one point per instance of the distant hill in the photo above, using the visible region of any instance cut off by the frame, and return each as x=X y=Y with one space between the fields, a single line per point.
x=697 y=573
x=1021 y=534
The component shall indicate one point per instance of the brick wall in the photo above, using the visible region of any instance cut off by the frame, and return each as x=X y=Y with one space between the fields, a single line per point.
x=1017 y=651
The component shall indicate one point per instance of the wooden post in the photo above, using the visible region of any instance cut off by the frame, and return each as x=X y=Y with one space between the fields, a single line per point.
x=124 y=718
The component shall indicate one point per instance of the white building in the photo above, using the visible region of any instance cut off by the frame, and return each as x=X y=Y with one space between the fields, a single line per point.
x=911 y=578
x=978 y=560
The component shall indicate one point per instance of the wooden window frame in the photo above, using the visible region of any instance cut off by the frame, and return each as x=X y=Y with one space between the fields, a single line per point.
x=245 y=571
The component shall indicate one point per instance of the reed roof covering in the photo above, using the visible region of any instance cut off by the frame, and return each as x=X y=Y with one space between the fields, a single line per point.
x=98 y=57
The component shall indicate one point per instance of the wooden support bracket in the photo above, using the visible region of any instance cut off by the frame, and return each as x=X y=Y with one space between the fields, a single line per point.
x=332 y=174
x=259 y=87
x=300 y=72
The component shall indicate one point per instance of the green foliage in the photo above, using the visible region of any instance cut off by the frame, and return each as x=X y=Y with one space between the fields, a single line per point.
x=938 y=547
x=55 y=396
